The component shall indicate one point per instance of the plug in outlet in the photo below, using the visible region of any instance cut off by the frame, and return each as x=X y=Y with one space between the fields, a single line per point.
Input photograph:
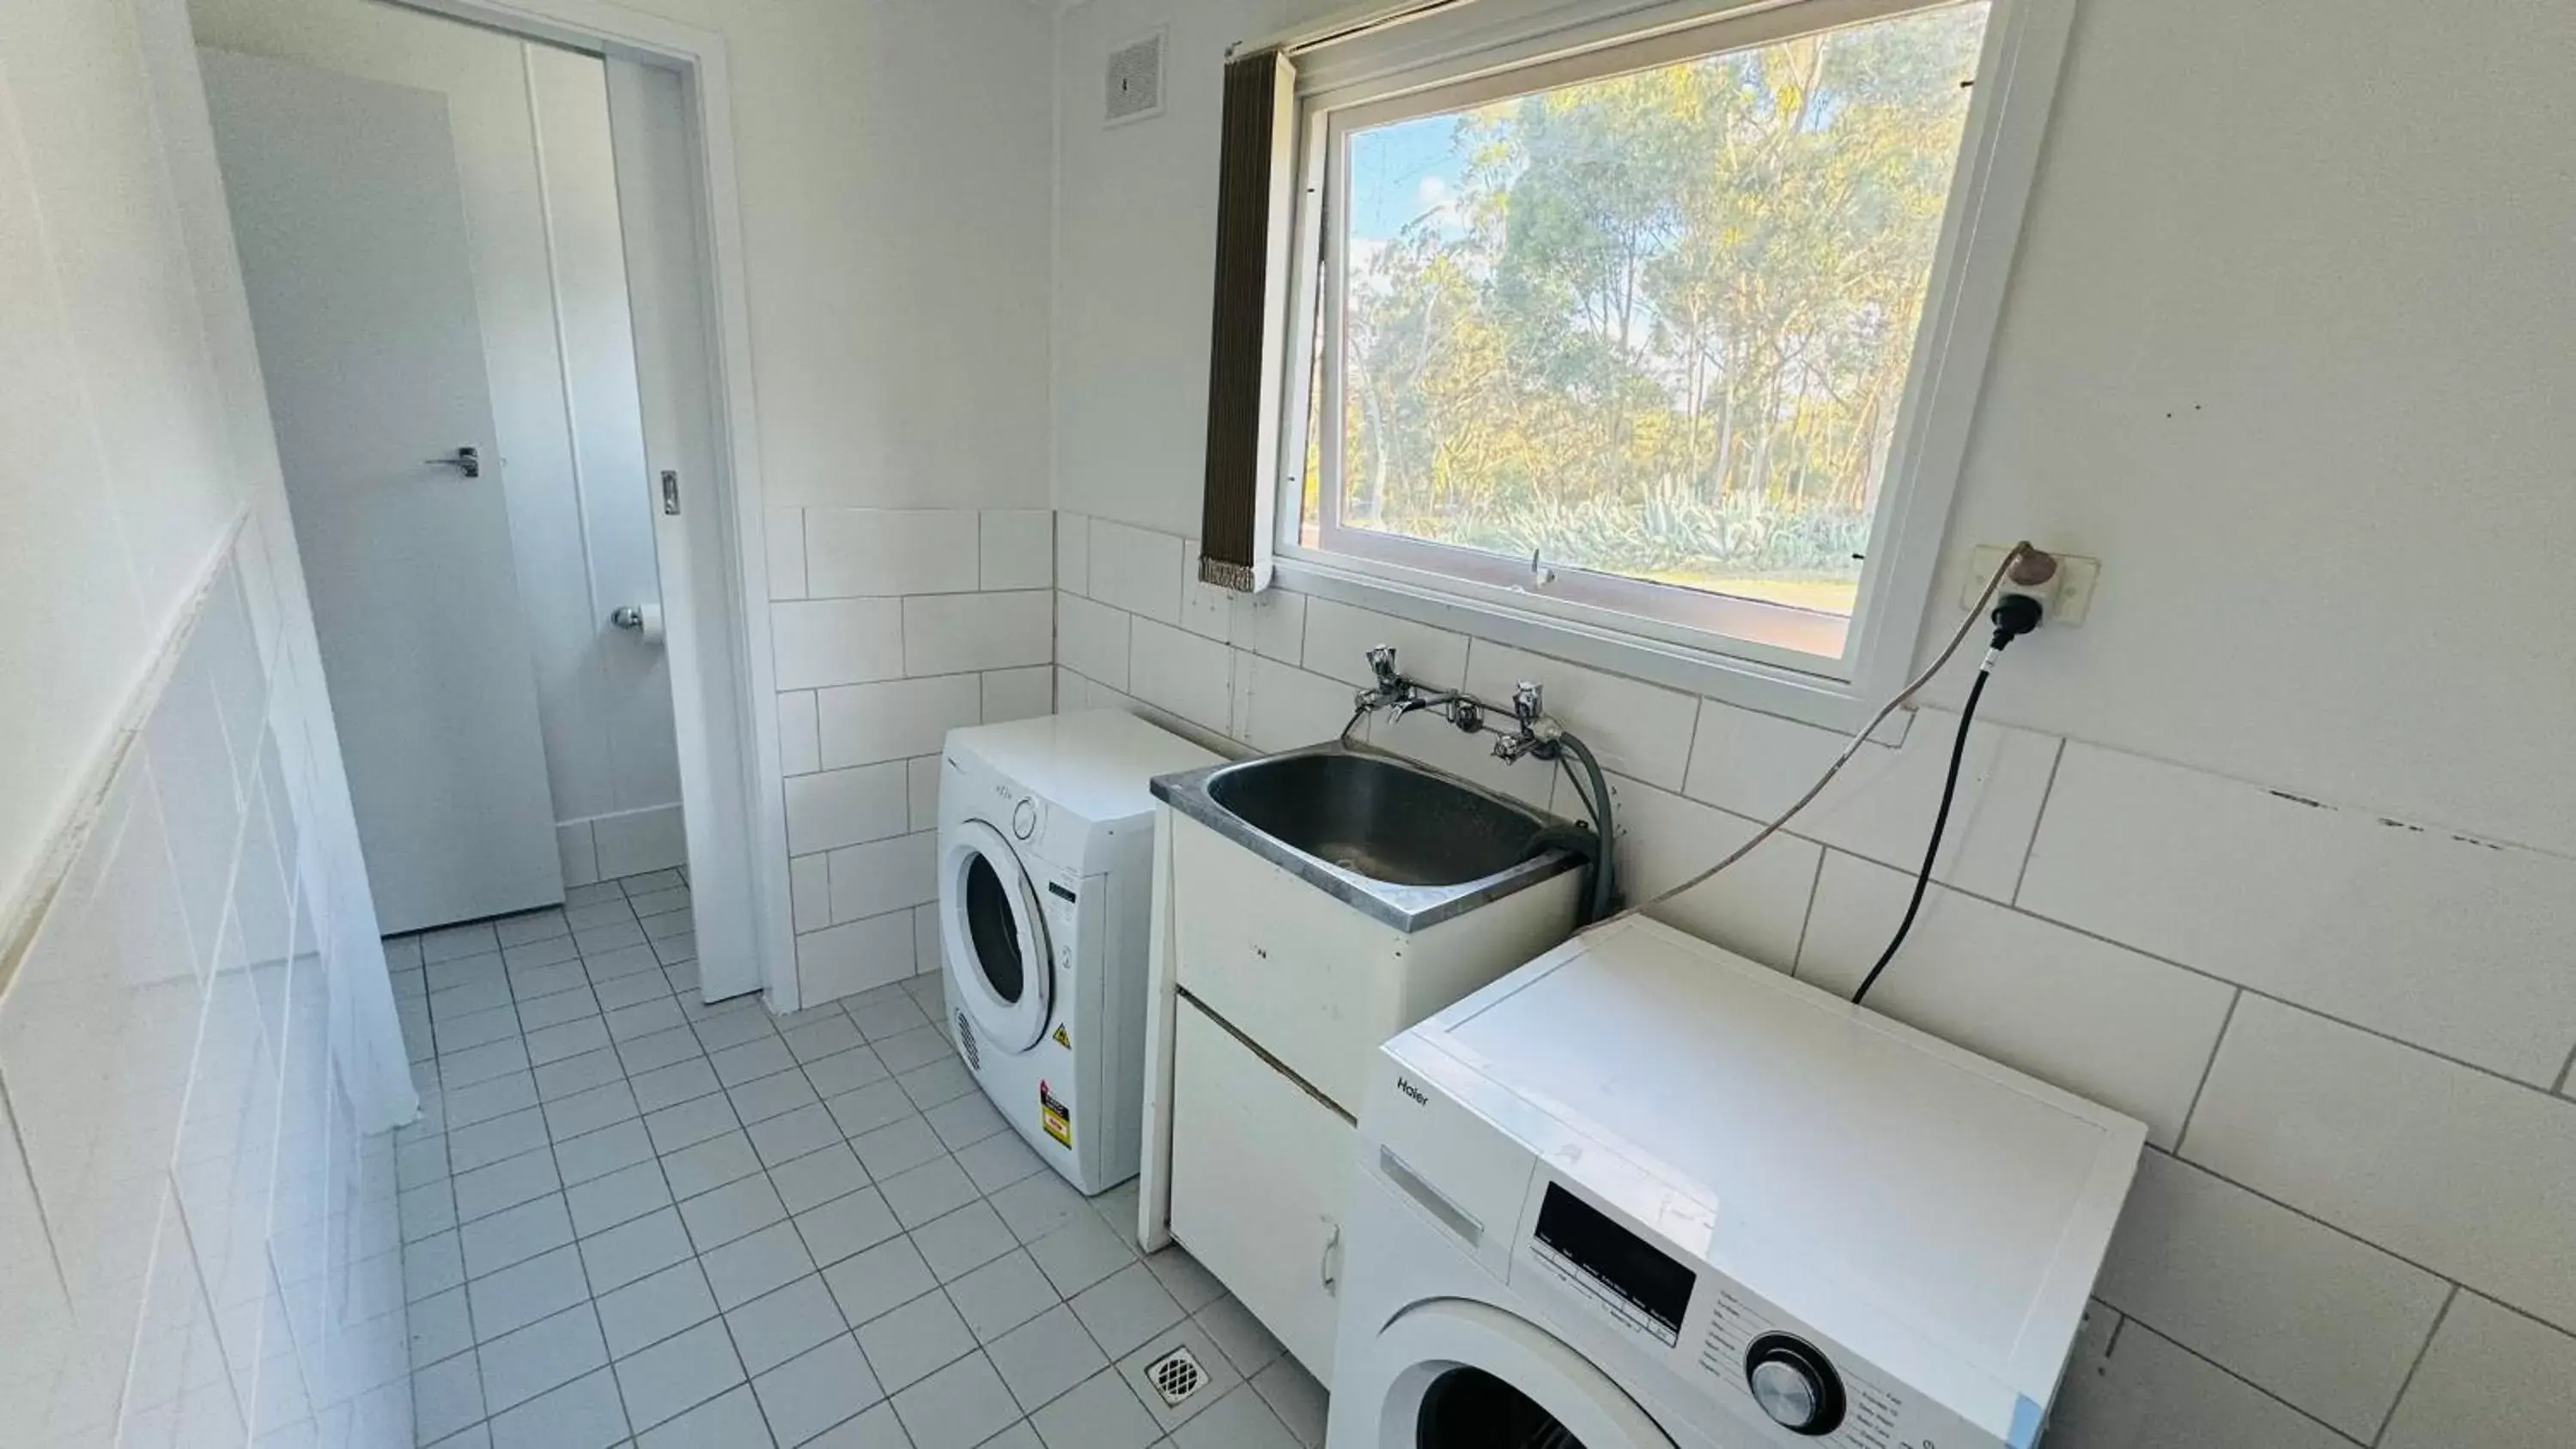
x=2064 y=595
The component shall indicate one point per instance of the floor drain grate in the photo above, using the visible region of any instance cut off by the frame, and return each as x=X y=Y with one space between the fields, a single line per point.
x=1176 y=1376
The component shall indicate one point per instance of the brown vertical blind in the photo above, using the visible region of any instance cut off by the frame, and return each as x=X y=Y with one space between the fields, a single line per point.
x=1243 y=386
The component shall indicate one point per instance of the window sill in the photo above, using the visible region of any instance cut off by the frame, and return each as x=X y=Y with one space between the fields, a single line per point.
x=1809 y=699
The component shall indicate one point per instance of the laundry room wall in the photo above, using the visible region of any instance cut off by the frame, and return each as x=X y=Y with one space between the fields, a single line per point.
x=532 y=150
x=893 y=626
x=199 y=1240
x=2277 y=852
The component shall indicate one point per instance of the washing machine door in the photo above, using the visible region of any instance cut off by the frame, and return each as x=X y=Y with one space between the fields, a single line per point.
x=1454 y=1374
x=993 y=938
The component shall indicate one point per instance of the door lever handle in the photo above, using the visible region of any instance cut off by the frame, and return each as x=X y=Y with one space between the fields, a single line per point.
x=465 y=460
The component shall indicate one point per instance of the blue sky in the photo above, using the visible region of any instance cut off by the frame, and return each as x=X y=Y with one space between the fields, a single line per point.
x=1398 y=172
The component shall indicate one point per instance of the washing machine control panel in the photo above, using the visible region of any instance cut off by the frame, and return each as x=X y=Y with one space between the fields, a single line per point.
x=1795 y=1384
x=1626 y=1293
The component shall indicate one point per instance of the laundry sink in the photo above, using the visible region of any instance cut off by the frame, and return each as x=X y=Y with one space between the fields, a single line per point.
x=1402 y=842
x=1319 y=902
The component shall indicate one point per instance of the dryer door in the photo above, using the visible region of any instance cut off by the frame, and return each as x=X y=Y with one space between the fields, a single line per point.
x=1454 y=1374
x=994 y=938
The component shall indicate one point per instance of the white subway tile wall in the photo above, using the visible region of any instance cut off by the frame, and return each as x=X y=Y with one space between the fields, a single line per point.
x=196 y=1243
x=903 y=625
x=2350 y=1036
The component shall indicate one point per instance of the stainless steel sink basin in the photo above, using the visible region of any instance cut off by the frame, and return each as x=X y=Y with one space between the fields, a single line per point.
x=1399 y=840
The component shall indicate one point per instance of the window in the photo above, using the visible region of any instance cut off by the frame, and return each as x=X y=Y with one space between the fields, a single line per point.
x=1620 y=327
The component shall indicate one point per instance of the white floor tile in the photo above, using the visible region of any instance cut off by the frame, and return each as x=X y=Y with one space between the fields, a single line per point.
x=583 y=1414
x=914 y=1341
x=544 y=1355
x=961 y=1405
x=931 y=1190
x=678 y=1374
x=729 y=1421
x=537 y=1289
x=816 y=1390
x=766 y=1211
x=1001 y=1295
x=817 y=1178
x=1125 y=1309
x=958 y=1242
x=873 y=1283
x=654 y=1307
x=710 y=1164
x=749 y=1267
x=773 y=1328
x=1099 y=1413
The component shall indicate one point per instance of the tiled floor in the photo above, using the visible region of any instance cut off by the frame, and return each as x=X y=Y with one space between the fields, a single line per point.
x=629 y=1217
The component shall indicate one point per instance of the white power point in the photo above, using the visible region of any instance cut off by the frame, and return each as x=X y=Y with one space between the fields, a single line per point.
x=2063 y=596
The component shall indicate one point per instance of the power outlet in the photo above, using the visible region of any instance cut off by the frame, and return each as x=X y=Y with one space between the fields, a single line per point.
x=2065 y=596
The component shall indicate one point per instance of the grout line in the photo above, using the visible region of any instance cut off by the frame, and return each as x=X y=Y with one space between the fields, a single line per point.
x=2340 y=1435
x=2038 y=818
x=2208 y=1069
x=2422 y=1353
x=2299 y=1212
x=1807 y=918
x=2567 y=1073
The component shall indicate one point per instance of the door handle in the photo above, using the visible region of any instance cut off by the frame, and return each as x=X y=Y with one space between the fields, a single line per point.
x=465 y=460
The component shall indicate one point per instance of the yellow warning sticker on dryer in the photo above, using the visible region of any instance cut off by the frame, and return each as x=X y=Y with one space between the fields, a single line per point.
x=1054 y=1116
x=1061 y=1038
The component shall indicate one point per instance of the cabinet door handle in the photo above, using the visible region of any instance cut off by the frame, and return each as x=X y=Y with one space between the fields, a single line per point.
x=1328 y=1263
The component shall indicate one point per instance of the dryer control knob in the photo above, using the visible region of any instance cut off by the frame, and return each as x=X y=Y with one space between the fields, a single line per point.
x=1024 y=818
x=1794 y=1384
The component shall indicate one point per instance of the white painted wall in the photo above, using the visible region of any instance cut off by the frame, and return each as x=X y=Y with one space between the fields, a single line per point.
x=196 y=1242
x=895 y=166
x=894 y=626
x=532 y=152
x=2278 y=348
x=2322 y=571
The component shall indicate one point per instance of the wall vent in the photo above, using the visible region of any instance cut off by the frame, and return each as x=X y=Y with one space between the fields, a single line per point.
x=1135 y=81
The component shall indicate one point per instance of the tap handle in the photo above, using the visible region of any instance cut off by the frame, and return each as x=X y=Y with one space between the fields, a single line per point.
x=1525 y=703
x=1381 y=662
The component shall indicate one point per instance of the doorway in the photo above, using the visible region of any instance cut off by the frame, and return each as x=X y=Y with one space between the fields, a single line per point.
x=496 y=411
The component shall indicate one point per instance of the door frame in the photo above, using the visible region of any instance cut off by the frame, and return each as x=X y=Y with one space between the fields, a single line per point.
x=756 y=780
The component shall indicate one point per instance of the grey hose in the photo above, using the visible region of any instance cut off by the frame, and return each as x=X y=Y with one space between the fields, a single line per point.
x=1605 y=871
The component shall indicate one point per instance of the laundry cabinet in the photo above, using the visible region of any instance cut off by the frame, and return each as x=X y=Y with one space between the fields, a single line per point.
x=1283 y=993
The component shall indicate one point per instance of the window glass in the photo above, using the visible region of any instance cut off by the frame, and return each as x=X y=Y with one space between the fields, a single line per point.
x=1647 y=332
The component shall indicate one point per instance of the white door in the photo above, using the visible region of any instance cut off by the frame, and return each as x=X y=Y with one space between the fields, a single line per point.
x=677 y=374
x=351 y=224
x=993 y=937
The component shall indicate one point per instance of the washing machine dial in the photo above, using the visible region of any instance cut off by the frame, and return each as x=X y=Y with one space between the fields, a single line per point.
x=1024 y=818
x=1794 y=1384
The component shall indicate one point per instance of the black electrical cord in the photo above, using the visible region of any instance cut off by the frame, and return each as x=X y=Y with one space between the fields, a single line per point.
x=2017 y=615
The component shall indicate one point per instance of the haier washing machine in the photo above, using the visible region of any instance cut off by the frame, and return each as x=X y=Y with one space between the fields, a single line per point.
x=1645 y=1194
x=1046 y=856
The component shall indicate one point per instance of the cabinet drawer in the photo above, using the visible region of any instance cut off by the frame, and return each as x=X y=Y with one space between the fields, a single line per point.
x=1316 y=982
x=1260 y=1172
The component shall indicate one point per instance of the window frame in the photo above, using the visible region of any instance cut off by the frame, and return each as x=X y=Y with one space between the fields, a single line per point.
x=1468 y=54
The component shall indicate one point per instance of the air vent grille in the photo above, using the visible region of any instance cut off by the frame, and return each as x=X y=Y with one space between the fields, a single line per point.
x=1135 y=81
x=966 y=1043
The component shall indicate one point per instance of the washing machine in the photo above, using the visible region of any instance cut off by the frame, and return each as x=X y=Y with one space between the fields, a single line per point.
x=1645 y=1194
x=1046 y=857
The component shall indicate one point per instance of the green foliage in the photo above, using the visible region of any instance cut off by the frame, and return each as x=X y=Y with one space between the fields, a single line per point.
x=1664 y=324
